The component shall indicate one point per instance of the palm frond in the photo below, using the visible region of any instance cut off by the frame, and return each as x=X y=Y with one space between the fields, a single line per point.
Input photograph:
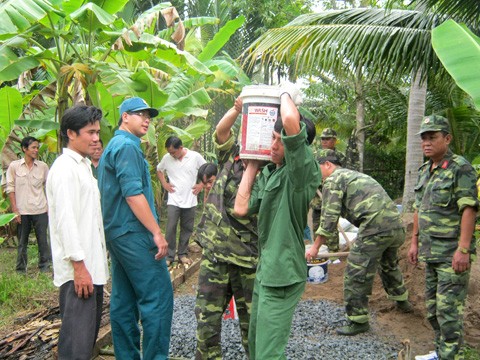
x=467 y=11
x=367 y=38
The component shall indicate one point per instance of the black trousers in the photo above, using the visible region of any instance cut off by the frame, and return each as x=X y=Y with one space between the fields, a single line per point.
x=40 y=224
x=80 y=322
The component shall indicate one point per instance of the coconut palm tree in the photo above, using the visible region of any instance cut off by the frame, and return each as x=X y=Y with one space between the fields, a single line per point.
x=382 y=44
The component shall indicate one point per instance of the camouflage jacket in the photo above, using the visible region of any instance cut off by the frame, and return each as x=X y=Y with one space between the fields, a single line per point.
x=316 y=203
x=361 y=200
x=440 y=197
x=224 y=237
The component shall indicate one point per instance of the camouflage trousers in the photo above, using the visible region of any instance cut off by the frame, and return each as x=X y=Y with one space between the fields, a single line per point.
x=333 y=242
x=366 y=255
x=217 y=283
x=445 y=295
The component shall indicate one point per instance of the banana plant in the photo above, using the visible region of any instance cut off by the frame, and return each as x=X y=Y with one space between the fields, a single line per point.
x=88 y=54
x=458 y=48
x=54 y=54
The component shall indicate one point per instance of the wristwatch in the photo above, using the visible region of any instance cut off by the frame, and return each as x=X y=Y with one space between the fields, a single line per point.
x=463 y=250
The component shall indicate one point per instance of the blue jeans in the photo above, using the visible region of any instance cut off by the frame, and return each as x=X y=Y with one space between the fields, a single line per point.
x=141 y=290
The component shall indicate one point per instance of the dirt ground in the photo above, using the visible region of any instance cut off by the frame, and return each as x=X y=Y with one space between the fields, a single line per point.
x=388 y=321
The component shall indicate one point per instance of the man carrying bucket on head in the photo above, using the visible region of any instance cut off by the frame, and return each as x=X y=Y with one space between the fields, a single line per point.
x=363 y=202
x=280 y=196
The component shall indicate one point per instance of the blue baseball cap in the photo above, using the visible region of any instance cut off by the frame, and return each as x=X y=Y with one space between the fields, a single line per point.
x=137 y=104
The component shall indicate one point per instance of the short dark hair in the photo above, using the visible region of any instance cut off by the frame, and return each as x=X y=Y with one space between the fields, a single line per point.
x=309 y=127
x=173 y=141
x=26 y=141
x=76 y=118
x=208 y=170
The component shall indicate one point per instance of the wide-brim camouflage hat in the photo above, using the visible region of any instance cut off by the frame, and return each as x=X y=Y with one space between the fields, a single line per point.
x=327 y=155
x=328 y=133
x=434 y=123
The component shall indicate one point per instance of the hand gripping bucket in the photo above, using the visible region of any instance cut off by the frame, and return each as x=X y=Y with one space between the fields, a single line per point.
x=261 y=109
x=317 y=271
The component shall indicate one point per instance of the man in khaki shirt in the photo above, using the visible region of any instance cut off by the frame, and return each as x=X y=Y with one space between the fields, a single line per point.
x=26 y=190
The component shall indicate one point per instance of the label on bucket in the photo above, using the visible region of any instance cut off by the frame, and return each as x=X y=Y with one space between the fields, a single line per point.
x=317 y=271
x=257 y=125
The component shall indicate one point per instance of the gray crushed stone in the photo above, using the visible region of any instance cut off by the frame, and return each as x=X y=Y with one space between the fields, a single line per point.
x=312 y=336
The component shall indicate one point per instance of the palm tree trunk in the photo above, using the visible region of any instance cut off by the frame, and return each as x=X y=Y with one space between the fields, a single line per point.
x=360 y=117
x=414 y=157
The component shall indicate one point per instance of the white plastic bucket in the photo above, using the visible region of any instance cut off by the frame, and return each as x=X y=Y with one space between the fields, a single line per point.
x=317 y=271
x=261 y=109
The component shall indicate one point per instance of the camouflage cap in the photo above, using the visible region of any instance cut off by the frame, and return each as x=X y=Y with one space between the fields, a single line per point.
x=328 y=133
x=434 y=123
x=327 y=155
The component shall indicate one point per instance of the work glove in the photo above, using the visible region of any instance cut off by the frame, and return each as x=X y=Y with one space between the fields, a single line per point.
x=292 y=90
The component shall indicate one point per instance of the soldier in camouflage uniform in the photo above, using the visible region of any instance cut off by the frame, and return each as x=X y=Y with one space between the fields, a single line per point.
x=229 y=245
x=445 y=209
x=363 y=202
x=329 y=140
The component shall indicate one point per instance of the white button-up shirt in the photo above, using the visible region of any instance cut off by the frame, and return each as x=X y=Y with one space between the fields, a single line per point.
x=75 y=219
x=182 y=174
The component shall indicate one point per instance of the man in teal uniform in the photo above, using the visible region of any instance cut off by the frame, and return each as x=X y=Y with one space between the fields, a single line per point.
x=280 y=196
x=229 y=245
x=141 y=286
x=363 y=202
x=444 y=221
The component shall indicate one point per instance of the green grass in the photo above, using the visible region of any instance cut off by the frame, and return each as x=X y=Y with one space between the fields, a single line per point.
x=21 y=294
x=472 y=354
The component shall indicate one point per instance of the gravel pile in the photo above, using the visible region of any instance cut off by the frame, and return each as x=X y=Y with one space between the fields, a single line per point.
x=312 y=336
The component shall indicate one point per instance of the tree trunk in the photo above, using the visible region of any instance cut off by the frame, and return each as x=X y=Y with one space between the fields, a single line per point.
x=414 y=157
x=360 y=118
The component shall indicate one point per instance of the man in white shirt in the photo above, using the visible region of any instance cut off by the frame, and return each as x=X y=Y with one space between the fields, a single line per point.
x=76 y=232
x=26 y=190
x=181 y=166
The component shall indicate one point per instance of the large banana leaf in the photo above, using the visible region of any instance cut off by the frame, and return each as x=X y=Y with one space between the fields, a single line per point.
x=151 y=91
x=192 y=132
x=92 y=16
x=103 y=98
x=10 y=110
x=459 y=51
x=13 y=70
x=221 y=38
x=109 y=6
x=18 y=15
x=6 y=218
x=39 y=124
